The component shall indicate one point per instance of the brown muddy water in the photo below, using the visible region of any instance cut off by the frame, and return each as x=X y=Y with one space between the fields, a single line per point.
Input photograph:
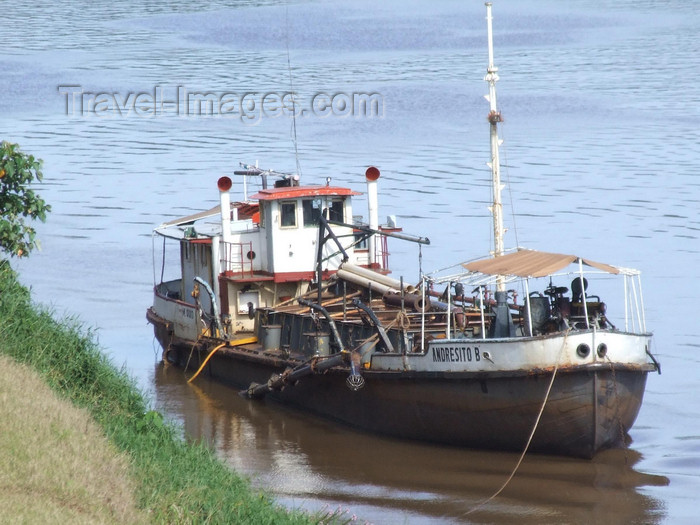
x=310 y=461
x=601 y=102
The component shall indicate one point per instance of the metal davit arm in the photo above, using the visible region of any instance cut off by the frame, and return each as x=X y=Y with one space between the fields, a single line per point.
x=323 y=226
x=377 y=324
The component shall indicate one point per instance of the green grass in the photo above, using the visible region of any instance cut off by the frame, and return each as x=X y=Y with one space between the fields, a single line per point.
x=176 y=481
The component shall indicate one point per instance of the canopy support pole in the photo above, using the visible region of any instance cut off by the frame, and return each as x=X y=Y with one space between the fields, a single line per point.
x=583 y=291
x=529 y=306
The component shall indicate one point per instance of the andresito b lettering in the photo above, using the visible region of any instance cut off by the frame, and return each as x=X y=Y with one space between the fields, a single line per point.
x=455 y=354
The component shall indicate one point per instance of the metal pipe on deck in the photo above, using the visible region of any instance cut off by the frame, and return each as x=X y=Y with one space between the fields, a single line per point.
x=395 y=235
x=364 y=282
x=390 y=294
x=416 y=302
x=377 y=277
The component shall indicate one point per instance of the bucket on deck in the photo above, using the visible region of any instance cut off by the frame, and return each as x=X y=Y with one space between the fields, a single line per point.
x=317 y=343
x=271 y=335
x=539 y=313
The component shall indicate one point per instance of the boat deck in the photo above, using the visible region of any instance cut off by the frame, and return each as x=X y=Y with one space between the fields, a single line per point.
x=393 y=316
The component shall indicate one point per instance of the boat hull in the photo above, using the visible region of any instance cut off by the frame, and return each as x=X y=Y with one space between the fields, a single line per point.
x=588 y=408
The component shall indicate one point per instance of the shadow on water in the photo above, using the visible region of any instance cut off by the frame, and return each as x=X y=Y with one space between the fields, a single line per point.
x=311 y=463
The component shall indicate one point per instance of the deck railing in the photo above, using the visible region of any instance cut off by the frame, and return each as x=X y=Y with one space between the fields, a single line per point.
x=237 y=258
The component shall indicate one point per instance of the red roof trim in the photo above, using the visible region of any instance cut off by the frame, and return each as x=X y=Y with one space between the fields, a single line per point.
x=296 y=192
x=279 y=277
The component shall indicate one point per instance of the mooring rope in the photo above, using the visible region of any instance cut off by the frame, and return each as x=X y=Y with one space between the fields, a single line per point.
x=529 y=440
x=187 y=364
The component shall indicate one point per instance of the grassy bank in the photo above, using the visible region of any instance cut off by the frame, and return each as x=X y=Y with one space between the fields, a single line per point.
x=57 y=464
x=171 y=481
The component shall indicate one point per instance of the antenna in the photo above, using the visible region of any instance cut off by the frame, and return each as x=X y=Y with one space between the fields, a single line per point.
x=291 y=89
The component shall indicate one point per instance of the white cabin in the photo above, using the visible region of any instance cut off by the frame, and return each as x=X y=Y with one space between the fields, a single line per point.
x=262 y=252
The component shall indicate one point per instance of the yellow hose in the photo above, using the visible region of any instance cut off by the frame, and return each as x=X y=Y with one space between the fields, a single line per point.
x=237 y=342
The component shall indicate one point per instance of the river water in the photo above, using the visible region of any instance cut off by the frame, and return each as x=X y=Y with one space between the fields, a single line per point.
x=601 y=148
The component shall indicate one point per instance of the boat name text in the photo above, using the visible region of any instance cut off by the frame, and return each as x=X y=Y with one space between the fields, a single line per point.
x=455 y=354
x=187 y=313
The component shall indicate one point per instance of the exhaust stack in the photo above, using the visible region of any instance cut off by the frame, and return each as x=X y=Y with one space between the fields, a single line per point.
x=224 y=184
x=372 y=175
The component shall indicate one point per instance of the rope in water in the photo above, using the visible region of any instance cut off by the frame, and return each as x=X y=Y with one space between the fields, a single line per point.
x=529 y=440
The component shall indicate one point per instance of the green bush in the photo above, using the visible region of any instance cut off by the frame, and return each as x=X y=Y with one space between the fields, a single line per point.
x=17 y=201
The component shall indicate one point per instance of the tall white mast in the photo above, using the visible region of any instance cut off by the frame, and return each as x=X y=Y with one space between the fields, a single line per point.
x=495 y=165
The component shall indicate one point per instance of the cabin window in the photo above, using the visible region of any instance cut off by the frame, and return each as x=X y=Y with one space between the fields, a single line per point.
x=312 y=211
x=313 y=207
x=288 y=214
x=335 y=211
x=361 y=241
x=248 y=301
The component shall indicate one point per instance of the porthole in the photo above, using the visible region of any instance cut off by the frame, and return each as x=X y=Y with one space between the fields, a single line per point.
x=583 y=350
x=250 y=255
x=602 y=350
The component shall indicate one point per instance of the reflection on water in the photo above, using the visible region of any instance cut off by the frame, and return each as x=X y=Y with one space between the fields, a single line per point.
x=313 y=463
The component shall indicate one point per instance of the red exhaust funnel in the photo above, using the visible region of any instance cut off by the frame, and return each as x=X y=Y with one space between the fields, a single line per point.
x=372 y=173
x=224 y=184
